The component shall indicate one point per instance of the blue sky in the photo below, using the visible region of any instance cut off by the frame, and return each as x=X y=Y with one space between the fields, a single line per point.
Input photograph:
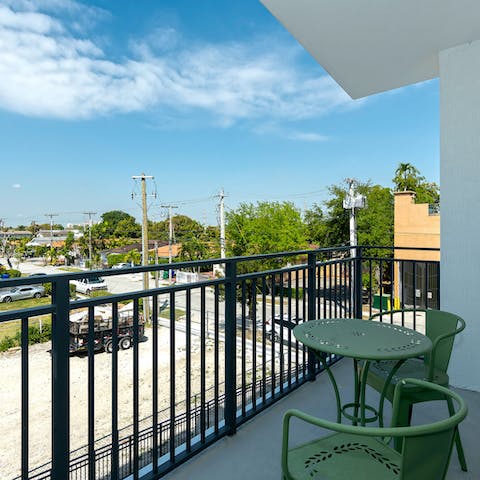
x=200 y=94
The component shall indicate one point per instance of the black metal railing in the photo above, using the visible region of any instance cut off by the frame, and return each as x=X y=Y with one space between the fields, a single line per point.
x=222 y=352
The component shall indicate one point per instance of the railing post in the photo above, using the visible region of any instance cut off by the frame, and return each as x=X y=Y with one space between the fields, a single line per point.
x=60 y=380
x=358 y=283
x=312 y=265
x=230 y=346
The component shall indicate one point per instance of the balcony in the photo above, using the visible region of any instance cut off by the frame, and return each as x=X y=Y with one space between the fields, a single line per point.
x=208 y=358
x=254 y=452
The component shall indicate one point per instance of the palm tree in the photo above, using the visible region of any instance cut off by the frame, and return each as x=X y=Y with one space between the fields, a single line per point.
x=407 y=177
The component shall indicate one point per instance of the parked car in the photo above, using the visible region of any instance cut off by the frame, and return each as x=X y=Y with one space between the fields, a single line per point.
x=22 y=292
x=88 y=285
x=121 y=265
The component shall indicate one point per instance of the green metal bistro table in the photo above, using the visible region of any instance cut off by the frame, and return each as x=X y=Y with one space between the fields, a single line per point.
x=364 y=341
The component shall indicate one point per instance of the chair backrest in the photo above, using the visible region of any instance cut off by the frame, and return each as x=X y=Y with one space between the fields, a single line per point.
x=439 y=323
x=426 y=452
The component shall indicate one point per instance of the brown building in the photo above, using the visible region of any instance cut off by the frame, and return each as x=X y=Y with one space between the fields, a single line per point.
x=416 y=225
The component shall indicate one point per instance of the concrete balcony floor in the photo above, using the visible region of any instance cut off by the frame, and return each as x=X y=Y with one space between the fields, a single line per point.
x=254 y=452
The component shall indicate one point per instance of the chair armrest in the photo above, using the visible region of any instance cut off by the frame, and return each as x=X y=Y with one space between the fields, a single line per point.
x=386 y=313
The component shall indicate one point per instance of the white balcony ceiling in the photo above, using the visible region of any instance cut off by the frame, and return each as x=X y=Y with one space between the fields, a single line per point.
x=371 y=46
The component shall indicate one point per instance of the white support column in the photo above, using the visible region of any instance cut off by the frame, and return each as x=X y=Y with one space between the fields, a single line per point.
x=460 y=204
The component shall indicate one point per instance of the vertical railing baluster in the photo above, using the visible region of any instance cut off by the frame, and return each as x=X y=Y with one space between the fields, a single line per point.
x=60 y=380
x=282 y=336
x=155 y=383
x=311 y=309
x=25 y=397
x=254 y=343
x=264 y=339
x=414 y=295
x=136 y=407
x=91 y=393
x=297 y=298
x=188 y=369
x=216 y=353
x=273 y=339
x=203 y=365
x=244 y=347
x=115 y=456
x=230 y=346
x=358 y=283
x=289 y=306
x=370 y=288
x=172 y=377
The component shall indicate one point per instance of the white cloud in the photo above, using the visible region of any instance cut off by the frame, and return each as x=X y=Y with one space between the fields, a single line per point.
x=307 y=137
x=48 y=70
x=16 y=185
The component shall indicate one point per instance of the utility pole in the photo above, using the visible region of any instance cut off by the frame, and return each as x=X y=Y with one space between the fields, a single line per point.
x=90 y=236
x=351 y=202
x=170 y=238
x=156 y=263
x=51 y=215
x=143 y=178
x=221 y=197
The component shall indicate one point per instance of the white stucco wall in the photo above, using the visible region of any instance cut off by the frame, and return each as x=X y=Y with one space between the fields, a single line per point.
x=460 y=204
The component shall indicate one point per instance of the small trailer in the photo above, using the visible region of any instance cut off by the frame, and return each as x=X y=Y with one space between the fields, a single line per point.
x=103 y=332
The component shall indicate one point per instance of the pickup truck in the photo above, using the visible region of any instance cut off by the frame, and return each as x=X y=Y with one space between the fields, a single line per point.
x=88 y=285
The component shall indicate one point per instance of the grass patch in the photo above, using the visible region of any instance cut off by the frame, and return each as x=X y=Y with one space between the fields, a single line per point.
x=28 y=303
x=166 y=313
x=71 y=269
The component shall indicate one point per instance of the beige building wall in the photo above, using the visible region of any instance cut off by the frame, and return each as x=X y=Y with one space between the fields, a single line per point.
x=415 y=227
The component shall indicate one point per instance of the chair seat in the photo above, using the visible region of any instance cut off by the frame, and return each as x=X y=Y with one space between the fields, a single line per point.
x=344 y=456
x=412 y=368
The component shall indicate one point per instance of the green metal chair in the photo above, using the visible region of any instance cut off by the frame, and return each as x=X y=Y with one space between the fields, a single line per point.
x=441 y=327
x=362 y=453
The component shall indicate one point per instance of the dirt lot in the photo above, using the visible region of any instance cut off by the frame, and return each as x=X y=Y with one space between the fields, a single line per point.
x=40 y=394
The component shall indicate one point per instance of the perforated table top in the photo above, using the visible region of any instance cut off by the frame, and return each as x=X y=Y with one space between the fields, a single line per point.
x=362 y=339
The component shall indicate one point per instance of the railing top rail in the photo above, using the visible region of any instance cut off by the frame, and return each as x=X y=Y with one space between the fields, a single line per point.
x=34 y=280
x=26 y=313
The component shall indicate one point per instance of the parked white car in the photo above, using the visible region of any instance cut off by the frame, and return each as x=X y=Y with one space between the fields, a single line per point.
x=88 y=285
x=22 y=292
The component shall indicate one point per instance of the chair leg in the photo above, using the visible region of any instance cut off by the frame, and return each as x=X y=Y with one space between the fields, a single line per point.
x=404 y=416
x=458 y=441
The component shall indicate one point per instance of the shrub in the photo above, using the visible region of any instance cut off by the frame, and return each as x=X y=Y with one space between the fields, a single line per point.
x=115 y=258
x=34 y=336
x=48 y=289
x=14 y=273
x=99 y=293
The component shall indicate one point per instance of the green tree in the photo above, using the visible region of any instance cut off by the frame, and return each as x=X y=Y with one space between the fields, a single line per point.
x=330 y=227
x=265 y=227
x=128 y=228
x=194 y=248
x=184 y=228
x=408 y=177
x=315 y=226
x=134 y=256
x=113 y=219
